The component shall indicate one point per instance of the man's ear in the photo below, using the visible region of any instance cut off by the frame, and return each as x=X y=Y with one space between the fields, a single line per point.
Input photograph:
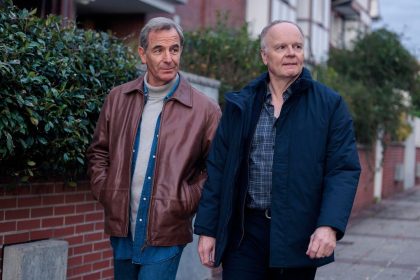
x=142 y=54
x=263 y=56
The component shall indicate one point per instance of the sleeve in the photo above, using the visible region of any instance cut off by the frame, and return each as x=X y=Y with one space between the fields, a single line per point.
x=342 y=171
x=206 y=221
x=98 y=152
x=210 y=130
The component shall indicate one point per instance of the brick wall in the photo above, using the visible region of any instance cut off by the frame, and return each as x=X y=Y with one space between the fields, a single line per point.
x=126 y=26
x=394 y=154
x=51 y=210
x=203 y=13
x=364 y=195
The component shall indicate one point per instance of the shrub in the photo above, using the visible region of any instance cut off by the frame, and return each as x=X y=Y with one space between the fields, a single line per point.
x=379 y=79
x=223 y=53
x=53 y=80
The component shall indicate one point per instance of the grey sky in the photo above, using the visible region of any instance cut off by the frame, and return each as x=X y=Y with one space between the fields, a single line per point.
x=402 y=17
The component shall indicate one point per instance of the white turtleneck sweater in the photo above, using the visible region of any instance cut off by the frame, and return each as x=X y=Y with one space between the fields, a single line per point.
x=151 y=111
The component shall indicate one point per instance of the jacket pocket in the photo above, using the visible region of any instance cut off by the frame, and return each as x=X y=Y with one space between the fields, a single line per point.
x=195 y=195
x=194 y=191
x=115 y=203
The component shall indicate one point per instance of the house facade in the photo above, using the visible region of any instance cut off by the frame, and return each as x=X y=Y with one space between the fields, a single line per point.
x=325 y=23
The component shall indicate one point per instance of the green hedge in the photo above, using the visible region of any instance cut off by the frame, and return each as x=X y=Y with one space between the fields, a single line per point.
x=371 y=76
x=223 y=53
x=53 y=80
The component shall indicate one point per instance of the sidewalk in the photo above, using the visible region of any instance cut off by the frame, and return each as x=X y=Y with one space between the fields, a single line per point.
x=381 y=243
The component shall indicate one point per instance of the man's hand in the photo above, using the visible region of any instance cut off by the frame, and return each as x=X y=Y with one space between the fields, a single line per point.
x=322 y=244
x=206 y=246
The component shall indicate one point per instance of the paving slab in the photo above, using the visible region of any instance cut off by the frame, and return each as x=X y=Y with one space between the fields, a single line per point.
x=381 y=243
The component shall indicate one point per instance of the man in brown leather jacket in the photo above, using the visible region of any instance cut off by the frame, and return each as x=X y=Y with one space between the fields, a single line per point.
x=147 y=158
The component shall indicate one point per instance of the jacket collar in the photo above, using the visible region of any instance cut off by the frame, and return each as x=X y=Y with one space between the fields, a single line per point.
x=302 y=83
x=259 y=86
x=183 y=93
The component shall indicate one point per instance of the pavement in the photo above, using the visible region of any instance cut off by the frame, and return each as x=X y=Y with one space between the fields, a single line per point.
x=381 y=243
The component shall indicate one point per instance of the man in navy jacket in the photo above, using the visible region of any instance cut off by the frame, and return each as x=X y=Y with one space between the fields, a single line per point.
x=282 y=171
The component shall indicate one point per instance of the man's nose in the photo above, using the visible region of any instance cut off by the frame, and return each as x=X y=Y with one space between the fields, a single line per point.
x=290 y=50
x=167 y=57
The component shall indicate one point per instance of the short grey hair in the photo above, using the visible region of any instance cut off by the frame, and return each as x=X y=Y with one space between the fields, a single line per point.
x=157 y=24
x=268 y=27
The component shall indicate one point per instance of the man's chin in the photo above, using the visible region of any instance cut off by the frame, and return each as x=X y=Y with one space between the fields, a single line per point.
x=292 y=71
x=169 y=75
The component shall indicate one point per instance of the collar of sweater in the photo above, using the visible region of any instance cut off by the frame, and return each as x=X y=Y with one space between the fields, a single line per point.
x=159 y=92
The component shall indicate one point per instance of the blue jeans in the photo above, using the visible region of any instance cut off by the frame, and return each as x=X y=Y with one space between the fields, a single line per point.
x=165 y=270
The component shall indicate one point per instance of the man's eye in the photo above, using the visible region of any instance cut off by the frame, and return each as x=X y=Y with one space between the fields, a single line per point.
x=157 y=51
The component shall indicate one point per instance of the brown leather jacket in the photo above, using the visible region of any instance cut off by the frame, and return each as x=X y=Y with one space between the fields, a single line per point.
x=188 y=122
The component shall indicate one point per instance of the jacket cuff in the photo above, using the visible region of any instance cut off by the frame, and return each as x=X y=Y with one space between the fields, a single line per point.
x=201 y=231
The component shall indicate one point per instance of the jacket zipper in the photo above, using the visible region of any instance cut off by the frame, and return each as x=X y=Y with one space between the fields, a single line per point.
x=247 y=185
x=131 y=165
x=146 y=241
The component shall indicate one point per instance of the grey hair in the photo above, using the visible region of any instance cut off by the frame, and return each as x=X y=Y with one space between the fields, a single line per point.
x=268 y=27
x=157 y=24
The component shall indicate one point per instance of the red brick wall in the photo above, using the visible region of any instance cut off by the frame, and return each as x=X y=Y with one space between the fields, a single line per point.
x=394 y=154
x=51 y=210
x=364 y=195
x=123 y=26
x=203 y=13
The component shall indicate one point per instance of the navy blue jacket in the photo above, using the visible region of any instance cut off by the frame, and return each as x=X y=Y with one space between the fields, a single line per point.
x=315 y=169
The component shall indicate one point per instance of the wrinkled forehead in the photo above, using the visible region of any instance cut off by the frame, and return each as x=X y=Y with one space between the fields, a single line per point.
x=164 y=36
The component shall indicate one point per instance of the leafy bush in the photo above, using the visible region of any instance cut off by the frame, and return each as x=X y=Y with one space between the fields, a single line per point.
x=52 y=85
x=373 y=77
x=358 y=98
x=223 y=53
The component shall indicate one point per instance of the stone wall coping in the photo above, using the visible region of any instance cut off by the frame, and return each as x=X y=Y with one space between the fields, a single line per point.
x=192 y=78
